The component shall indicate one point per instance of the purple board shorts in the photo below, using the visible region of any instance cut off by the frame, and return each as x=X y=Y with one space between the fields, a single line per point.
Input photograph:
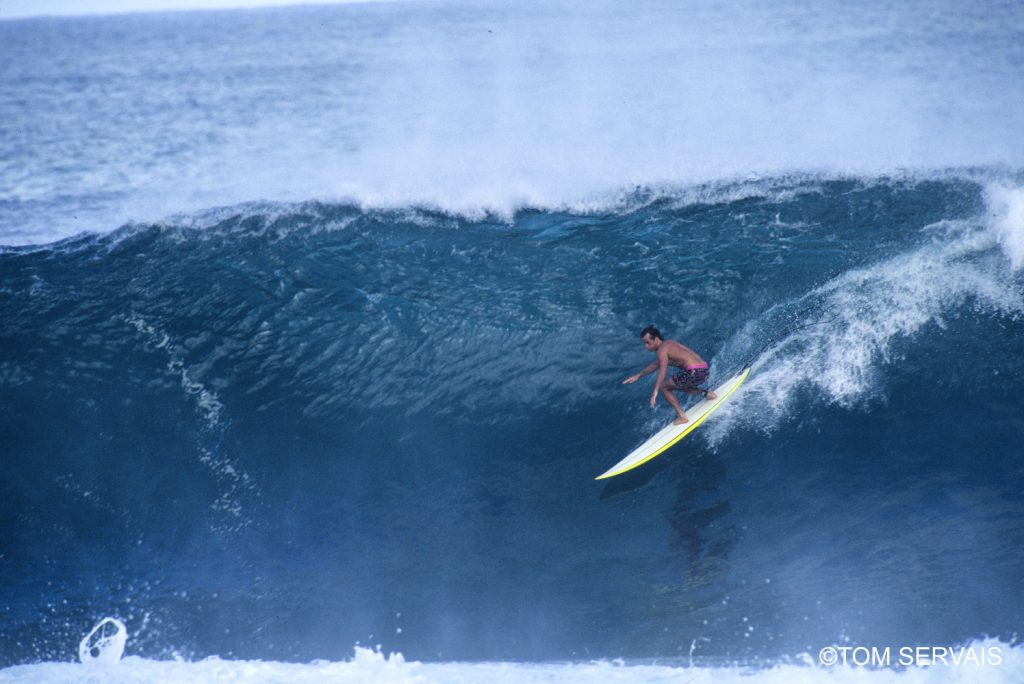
x=691 y=377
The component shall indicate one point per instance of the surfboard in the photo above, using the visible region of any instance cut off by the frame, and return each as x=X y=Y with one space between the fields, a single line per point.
x=671 y=434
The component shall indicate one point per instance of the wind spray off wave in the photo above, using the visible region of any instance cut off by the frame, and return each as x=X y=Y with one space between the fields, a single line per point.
x=852 y=329
x=489 y=108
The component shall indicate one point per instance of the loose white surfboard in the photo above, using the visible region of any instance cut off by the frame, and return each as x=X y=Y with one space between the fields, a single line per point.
x=673 y=433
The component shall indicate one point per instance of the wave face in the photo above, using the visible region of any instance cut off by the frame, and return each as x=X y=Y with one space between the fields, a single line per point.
x=275 y=430
x=488 y=106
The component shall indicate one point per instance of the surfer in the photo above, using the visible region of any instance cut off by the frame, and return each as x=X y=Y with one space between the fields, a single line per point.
x=693 y=370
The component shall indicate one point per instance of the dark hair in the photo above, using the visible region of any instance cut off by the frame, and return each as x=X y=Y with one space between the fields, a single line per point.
x=652 y=331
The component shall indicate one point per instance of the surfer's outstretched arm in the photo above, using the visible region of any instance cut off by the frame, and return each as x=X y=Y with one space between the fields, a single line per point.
x=646 y=371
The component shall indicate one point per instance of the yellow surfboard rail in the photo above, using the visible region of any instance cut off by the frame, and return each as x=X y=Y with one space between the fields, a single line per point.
x=640 y=455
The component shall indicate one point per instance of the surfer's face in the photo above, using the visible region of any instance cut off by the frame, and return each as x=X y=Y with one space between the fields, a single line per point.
x=650 y=342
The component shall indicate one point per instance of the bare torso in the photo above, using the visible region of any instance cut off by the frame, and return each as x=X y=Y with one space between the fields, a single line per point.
x=679 y=355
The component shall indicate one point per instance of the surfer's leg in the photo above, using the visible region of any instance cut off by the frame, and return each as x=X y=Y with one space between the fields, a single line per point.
x=668 y=389
x=688 y=380
x=707 y=394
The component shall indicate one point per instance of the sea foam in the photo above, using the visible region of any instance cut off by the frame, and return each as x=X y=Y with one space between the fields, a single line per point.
x=372 y=665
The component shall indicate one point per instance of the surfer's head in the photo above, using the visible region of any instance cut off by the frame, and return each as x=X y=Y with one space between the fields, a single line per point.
x=651 y=337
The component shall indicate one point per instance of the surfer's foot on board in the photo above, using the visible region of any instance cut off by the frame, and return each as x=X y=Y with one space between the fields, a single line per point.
x=680 y=420
x=710 y=395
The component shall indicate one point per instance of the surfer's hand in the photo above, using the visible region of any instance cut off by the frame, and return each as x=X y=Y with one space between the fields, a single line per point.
x=631 y=379
x=654 y=399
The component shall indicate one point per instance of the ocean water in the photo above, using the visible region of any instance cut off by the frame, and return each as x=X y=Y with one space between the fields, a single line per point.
x=313 y=323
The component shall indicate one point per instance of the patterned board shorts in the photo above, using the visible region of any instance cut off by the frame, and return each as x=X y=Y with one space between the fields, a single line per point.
x=690 y=378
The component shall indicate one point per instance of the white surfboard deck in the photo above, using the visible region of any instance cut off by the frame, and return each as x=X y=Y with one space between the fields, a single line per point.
x=673 y=433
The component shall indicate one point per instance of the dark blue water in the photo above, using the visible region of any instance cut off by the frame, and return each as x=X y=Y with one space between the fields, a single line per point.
x=299 y=429
x=313 y=323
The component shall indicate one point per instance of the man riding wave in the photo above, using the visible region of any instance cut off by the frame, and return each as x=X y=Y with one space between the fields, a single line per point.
x=693 y=370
